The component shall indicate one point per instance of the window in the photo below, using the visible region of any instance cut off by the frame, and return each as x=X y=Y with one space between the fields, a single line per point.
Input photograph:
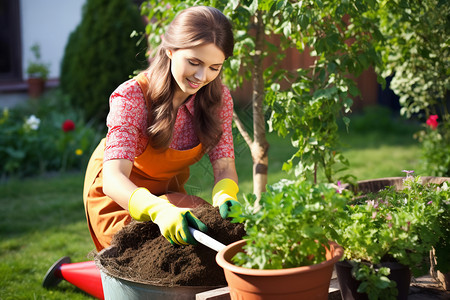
x=10 y=50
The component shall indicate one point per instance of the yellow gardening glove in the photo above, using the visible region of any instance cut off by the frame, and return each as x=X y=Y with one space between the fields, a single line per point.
x=172 y=221
x=224 y=196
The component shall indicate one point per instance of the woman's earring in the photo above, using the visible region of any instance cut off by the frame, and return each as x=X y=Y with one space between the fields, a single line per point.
x=169 y=53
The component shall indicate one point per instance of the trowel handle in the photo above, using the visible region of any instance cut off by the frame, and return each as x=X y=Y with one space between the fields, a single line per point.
x=206 y=240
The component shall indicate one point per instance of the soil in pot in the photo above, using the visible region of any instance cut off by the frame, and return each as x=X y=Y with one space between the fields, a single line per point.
x=141 y=254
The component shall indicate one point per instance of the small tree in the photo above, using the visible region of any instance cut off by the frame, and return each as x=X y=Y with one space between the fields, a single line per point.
x=340 y=34
x=417 y=56
x=100 y=54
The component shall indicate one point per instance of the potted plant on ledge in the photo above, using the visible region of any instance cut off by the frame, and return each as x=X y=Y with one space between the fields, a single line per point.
x=387 y=235
x=37 y=73
x=286 y=253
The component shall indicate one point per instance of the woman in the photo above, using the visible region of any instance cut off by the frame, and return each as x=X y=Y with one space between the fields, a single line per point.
x=159 y=124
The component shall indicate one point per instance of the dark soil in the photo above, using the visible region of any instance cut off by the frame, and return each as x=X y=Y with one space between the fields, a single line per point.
x=139 y=253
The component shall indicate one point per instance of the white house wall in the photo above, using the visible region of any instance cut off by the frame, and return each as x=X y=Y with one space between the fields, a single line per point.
x=48 y=23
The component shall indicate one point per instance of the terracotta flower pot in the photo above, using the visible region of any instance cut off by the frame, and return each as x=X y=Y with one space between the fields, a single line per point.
x=36 y=87
x=308 y=282
x=401 y=274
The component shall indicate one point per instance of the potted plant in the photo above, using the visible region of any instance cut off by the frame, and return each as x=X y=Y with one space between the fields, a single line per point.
x=286 y=253
x=387 y=235
x=37 y=73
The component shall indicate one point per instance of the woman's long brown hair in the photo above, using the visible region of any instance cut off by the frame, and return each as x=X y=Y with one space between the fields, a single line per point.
x=193 y=27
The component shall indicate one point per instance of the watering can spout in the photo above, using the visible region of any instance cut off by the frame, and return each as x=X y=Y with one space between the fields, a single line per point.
x=84 y=275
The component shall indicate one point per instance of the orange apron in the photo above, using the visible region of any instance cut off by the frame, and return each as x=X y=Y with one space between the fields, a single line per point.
x=160 y=171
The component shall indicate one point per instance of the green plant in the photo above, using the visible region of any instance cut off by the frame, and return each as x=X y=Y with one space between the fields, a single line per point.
x=391 y=225
x=435 y=141
x=417 y=53
x=375 y=282
x=32 y=140
x=36 y=68
x=291 y=225
x=100 y=54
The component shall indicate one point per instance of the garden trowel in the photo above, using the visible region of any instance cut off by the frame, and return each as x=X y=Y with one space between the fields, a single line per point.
x=206 y=240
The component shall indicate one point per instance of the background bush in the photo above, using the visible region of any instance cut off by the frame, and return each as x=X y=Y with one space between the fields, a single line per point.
x=100 y=54
x=33 y=141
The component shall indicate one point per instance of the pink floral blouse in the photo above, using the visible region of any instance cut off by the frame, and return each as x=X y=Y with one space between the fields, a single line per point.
x=127 y=125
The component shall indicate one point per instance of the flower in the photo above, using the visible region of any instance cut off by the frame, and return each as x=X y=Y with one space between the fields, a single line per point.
x=68 y=125
x=340 y=188
x=78 y=152
x=432 y=121
x=408 y=172
x=32 y=122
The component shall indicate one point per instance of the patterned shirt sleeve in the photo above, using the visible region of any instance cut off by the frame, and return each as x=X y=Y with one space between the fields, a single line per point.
x=225 y=146
x=126 y=122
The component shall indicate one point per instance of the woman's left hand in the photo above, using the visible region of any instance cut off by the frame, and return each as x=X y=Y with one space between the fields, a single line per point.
x=225 y=190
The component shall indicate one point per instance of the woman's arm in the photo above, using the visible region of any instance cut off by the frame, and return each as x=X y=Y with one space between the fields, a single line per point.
x=224 y=168
x=144 y=206
x=116 y=182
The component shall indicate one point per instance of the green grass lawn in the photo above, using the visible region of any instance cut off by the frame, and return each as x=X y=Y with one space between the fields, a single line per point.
x=42 y=219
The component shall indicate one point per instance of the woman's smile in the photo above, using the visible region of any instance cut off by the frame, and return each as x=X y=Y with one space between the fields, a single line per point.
x=194 y=85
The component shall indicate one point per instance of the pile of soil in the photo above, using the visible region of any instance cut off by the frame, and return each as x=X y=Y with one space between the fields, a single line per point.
x=139 y=253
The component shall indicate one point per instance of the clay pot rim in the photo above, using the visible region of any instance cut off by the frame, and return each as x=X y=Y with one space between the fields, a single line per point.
x=226 y=264
x=393 y=265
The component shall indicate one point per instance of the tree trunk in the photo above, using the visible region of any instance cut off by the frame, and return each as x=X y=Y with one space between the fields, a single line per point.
x=260 y=146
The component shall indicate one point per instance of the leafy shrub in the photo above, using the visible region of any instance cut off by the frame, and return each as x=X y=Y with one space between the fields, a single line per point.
x=100 y=54
x=435 y=141
x=32 y=140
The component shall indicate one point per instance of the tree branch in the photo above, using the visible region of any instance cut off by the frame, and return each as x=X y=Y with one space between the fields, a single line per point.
x=240 y=126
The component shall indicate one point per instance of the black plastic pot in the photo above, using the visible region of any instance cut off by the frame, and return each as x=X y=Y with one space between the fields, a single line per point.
x=401 y=274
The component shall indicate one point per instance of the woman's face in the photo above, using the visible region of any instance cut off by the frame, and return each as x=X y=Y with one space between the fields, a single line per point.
x=195 y=67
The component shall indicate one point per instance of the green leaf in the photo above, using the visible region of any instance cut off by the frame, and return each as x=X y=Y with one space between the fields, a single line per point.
x=346 y=121
x=275 y=87
x=354 y=91
x=363 y=287
x=383 y=283
x=253 y=7
x=287 y=29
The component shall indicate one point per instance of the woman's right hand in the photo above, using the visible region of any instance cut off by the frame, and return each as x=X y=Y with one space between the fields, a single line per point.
x=172 y=221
